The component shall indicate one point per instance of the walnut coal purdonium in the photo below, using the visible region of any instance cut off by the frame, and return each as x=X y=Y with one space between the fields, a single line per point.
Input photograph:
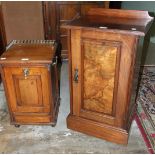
x=30 y=73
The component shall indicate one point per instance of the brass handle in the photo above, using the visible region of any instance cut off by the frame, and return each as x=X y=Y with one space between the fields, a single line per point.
x=26 y=72
x=76 y=76
x=55 y=61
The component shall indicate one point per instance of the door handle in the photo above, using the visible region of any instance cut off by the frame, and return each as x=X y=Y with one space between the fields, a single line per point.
x=76 y=76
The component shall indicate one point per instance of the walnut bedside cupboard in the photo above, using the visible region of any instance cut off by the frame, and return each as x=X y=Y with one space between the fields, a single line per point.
x=103 y=67
x=30 y=73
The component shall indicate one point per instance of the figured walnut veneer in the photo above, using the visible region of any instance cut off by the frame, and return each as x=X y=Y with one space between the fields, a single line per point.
x=99 y=76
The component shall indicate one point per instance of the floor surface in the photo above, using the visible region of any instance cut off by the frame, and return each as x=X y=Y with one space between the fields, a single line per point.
x=59 y=139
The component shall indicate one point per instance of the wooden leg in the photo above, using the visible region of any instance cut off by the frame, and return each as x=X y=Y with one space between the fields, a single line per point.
x=53 y=125
x=17 y=126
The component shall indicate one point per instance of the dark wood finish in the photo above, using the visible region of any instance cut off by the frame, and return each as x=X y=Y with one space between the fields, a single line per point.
x=103 y=91
x=58 y=13
x=115 y=21
x=115 y=4
x=147 y=37
x=2 y=34
x=31 y=81
x=49 y=15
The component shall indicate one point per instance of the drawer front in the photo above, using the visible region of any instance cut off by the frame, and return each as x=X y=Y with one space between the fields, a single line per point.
x=28 y=88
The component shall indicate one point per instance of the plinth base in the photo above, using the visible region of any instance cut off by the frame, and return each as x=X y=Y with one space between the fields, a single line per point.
x=99 y=130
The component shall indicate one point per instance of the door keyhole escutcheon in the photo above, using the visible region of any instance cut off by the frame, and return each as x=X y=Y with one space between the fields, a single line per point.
x=26 y=72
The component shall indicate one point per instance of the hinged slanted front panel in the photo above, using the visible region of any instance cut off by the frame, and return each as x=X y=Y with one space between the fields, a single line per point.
x=28 y=88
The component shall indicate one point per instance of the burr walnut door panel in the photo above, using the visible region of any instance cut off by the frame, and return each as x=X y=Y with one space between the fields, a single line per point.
x=28 y=89
x=95 y=82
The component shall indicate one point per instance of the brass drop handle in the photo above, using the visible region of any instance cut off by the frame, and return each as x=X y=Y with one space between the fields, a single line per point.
x=26 y=72
x=55 y=61
x=76 y=76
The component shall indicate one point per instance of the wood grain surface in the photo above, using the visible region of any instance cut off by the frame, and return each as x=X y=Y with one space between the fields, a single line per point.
x=114 y=20
x=98 y=76
x=32 y=96
x=33 y=53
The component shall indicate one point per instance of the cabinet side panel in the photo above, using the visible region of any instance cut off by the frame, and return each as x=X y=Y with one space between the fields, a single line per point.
x=135 y=79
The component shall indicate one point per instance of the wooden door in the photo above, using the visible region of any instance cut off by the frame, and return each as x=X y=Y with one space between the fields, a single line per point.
x=95 y=66
x=28 y=89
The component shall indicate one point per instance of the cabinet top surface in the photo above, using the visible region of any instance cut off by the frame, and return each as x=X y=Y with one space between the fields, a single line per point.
x=29 y=53
x=114 y=20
